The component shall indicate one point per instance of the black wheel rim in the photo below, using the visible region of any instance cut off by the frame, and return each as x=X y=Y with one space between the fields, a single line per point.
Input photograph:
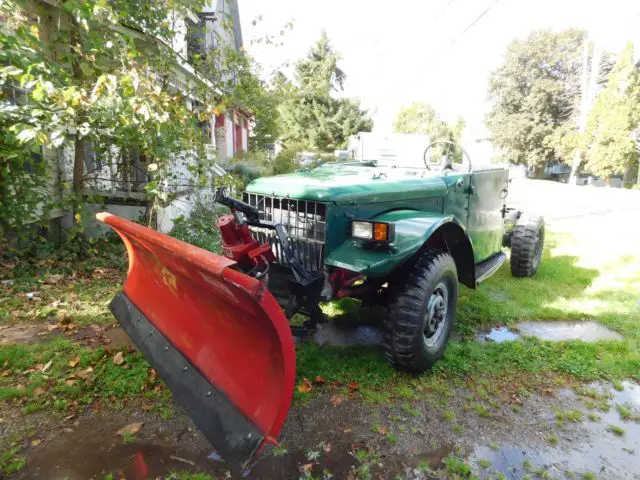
x=436 y=315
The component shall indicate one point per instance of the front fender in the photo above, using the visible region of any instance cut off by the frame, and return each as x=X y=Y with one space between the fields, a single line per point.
x=412 y=229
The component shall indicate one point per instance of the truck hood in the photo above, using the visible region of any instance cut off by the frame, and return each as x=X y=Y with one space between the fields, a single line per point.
x=351 y=183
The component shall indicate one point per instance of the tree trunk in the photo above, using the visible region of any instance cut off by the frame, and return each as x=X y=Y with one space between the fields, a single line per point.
x=628 y=176
x=78 y=173
x=4 y=195
x=79 y=142
x=538 y=172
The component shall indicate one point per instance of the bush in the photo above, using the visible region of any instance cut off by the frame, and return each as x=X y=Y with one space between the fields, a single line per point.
x=285 y=160
x=245 y=173
x=199 y=228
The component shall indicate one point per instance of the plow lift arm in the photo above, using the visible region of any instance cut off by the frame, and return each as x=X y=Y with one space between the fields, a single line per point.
x=301 y=274
x=214 y=333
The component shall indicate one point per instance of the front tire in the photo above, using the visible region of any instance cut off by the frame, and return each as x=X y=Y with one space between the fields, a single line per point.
x=422 y=313
x=527 y=243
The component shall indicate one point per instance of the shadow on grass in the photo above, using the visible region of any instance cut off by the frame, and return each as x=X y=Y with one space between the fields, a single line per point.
x=504 y=299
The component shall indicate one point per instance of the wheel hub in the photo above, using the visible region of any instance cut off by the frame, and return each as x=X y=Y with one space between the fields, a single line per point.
x=436 y=315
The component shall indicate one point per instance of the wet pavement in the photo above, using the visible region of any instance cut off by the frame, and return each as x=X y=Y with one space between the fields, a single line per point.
x=327 y=437
x=588 y=445
x=347 y=335
x=587 y=331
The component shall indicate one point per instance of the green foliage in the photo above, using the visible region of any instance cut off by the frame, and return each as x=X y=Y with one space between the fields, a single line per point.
x=285 y=161
x=614 y=121
x=311 y=117
x=535 y=93
x=87 y=75
x=11 y=461
x=199 y=228
x=422 y=118
x=245 y=173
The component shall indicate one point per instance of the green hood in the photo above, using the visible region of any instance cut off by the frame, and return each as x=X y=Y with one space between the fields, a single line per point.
x=352 y=183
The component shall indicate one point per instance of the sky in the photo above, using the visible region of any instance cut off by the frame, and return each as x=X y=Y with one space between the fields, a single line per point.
x=398 y=52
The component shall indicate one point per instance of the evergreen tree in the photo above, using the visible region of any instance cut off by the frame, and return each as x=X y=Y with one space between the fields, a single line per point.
x=311 y=117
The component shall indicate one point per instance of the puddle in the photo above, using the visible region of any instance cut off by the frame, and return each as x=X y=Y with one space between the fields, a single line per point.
x=576 y=330
x=553 y=331
x=344 y=336
x=593 y=448
x=499 y=335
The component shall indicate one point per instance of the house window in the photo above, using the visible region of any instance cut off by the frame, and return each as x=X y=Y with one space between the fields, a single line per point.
x=206 y=131
x=92 y=158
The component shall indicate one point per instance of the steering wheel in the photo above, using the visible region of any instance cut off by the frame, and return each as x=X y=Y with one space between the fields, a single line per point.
x=446 y=164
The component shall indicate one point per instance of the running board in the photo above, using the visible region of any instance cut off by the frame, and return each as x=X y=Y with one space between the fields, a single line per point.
x=488 y=267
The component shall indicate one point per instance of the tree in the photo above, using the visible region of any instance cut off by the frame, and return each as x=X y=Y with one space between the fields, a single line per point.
x=614 y=122
x=311 y=117
x=423 y=118
x=104 y=73
x=534 y=96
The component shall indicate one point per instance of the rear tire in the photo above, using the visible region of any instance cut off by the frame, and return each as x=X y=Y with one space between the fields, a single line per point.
x=527 y=243
x=422 y=313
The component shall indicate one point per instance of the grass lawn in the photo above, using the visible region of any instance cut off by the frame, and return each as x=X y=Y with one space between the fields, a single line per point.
x=577 y=280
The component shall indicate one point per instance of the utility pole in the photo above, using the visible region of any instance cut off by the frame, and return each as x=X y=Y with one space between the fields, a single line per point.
x=589 y=88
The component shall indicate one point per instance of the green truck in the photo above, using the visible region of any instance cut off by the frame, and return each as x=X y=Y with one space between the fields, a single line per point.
x=216 y=327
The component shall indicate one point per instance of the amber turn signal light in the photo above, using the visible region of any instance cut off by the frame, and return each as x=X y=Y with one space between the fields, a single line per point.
x=377 y=232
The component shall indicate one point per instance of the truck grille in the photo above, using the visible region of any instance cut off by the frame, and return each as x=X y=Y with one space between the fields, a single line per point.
x=305 y=223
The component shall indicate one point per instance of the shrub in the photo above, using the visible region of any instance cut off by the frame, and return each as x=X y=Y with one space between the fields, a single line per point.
x=199 y=228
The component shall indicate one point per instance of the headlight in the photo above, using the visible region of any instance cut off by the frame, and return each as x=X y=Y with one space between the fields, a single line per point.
x=362 y=230
x=379 y=232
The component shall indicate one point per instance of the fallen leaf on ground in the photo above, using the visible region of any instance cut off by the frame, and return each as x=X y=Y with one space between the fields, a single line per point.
x=84 y=374
x=35 y=442
x=183 y=460
x=74 y=362
x=38 y=391
x=147 y=408
x=336 y=400
x=69 y=417
x=118 y=358
x=353 y=386
x=54 y=278
x=62 y=316
x=347 y=430
x=305 y=386
x=47 y=366
x=319 y=380
x=130 y=429
x=70 y=382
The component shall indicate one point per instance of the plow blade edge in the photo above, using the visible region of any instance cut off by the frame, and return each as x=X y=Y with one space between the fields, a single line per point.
x=216 y=336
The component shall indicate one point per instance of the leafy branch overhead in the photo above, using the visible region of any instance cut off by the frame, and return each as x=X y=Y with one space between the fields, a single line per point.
x=105 y=75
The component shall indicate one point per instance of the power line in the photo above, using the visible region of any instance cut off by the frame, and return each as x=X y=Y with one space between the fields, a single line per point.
x=470 y=26
x=467 y=28
x=443 y=9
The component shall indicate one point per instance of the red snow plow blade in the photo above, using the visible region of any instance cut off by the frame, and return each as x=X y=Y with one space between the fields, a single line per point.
x=216 y=336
